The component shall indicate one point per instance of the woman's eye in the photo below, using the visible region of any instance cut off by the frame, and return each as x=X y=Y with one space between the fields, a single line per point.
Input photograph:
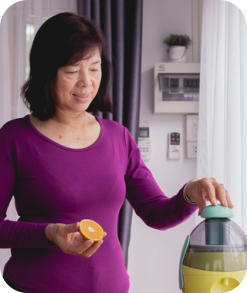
x=94 y=69
x=71 y=72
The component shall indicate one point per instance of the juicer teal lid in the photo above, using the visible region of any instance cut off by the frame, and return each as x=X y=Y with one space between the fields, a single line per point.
x=218 y=211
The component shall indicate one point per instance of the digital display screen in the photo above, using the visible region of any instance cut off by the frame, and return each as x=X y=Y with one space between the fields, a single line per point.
x=143 y=131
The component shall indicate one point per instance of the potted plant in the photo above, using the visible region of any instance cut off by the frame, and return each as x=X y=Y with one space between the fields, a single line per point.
x=177 y=46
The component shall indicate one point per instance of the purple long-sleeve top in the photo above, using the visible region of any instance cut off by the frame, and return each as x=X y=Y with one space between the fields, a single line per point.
x=52 y=183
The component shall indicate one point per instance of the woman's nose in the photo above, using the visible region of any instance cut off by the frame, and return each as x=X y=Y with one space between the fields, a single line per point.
x=84 y=78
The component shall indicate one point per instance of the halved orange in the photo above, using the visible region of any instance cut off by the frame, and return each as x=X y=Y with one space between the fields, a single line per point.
x=91 y=230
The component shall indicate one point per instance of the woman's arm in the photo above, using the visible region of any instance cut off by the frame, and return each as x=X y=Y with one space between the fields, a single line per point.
x=154 y=207
x=14 y=234
x=148 y=200
x=162 y=212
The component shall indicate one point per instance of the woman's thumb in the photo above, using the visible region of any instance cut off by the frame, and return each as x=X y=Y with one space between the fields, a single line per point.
x=70 y=228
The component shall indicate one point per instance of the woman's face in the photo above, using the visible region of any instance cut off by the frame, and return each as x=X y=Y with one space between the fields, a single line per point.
x=76 y=85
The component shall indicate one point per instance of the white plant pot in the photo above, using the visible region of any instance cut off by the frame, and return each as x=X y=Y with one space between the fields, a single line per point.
x=177 y=53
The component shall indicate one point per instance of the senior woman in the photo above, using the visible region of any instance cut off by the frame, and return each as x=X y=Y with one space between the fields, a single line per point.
x=63 y=164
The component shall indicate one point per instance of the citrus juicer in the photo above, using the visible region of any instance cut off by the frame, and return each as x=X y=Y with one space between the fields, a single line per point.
x=214 y=255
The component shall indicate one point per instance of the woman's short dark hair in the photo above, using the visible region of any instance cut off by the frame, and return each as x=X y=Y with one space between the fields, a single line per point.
x=63 y=39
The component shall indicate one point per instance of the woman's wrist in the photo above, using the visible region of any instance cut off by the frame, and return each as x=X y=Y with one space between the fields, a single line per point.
x=188 y=200
x=185 y=193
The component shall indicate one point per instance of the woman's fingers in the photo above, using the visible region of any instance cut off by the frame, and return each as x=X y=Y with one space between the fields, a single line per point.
x=216 y=192
x=202 y=202
x=220 y=193
x=70 y=228
x=229 y=202
x=86 y=245
x=208 y=189
x=91 y=249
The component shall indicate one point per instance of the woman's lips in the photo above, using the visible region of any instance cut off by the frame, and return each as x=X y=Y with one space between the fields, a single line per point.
x=82 y=97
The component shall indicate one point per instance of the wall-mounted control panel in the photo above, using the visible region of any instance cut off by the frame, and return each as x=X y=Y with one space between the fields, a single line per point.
x=176 y=87
x=191 y=135
x=144 y=143
x=174 y=145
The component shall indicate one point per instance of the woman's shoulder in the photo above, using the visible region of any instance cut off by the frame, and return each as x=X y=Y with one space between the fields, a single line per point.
x=11 y=133
x=114 y=127
x=111 y=124
x=14 y=127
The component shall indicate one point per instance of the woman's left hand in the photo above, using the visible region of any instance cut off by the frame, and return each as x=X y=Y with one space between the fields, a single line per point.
x=207 y=189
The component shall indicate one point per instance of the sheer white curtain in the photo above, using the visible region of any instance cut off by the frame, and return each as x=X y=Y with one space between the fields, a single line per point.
x=222 y=135
x=12 y=60
x=18 y=26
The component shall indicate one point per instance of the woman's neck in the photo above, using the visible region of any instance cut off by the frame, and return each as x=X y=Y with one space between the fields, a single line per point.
x=68 y=121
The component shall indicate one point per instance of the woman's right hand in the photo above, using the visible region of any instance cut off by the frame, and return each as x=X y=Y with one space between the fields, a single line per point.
x=69 y=239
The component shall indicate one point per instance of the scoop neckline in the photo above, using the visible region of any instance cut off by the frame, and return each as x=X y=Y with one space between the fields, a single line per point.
x=47 y=139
